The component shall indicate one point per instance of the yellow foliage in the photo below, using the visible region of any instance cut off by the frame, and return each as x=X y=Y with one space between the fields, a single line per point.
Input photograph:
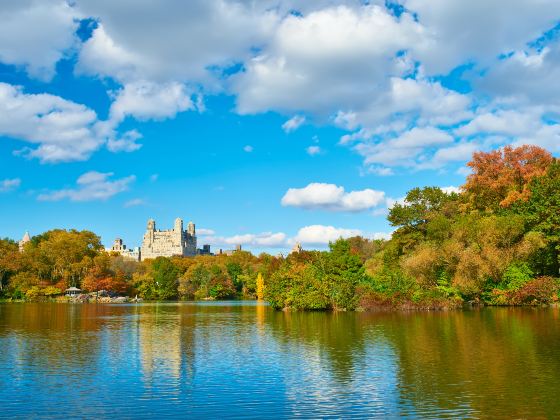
x=260 y=287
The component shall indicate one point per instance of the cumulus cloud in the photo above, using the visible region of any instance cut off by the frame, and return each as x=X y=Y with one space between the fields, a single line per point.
x=91 y=186
x=332 y=197
x=36 y=34
x=406 y=149
x=360 y=66
x=477 y=30
x=146 y=100
x=312 y=236
x=334 y=58
x=205 y=232
x=293 y=123
x=61 y=130
x=321 y=235
x=7 y=185
x=261 y=240
x=186 y=40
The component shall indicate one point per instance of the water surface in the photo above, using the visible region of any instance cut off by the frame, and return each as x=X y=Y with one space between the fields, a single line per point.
x=240 y=359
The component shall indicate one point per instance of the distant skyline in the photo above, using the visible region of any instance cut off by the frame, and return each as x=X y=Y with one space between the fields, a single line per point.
x=265 y=123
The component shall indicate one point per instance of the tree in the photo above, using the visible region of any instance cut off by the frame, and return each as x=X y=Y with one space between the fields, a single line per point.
x=417 y=207
x=501 y=177
x=9 y=261
x=260 y=287
x=342 y=272
x=541 y=212
x=165 y=275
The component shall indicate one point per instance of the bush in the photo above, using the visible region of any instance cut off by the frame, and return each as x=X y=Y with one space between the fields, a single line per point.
x=542 y=290
x=515 y=277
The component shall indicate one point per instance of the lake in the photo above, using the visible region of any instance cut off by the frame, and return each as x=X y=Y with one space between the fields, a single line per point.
x=242 y=359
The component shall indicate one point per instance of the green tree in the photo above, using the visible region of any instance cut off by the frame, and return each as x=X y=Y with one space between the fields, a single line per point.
x=165 y=275
x=541 y=213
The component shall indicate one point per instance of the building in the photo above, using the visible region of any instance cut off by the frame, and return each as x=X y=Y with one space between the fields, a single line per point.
x=230 y=252
x=120 y=248
x=297 y=249
x=167 y=243
x=205 y=250
x=26 y=238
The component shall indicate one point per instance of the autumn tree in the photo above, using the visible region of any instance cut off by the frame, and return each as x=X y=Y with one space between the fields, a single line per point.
x=501 y=177
x=260 y=287
x=9 y=261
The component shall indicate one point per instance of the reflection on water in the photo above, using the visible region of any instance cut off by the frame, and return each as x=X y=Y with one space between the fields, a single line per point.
x=241 y=359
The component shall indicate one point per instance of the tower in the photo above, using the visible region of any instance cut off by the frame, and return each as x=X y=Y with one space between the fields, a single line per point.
x=26 y=238
x=191 y=229
x=190 y=239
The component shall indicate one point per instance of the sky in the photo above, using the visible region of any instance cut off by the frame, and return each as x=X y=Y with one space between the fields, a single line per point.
x=265 y=122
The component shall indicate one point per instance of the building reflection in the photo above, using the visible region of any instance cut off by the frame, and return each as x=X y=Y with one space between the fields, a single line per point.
x=165 y=335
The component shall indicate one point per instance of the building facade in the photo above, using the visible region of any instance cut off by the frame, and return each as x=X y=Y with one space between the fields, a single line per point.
x=168 y=243
x=26 y=238
x=120 y=248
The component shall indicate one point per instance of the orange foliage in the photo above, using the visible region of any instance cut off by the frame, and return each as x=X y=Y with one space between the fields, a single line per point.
x=502 y=176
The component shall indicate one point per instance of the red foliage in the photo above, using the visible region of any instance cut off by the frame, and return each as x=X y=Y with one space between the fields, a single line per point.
x=502 y=176
x=542 y=290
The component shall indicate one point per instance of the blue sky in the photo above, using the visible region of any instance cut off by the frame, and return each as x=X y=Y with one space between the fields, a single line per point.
x=264 y=123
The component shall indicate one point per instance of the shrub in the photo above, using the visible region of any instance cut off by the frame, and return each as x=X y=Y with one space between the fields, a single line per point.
x=541 y=290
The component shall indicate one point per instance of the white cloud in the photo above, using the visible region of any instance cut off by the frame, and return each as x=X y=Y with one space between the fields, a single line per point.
x=547 y=136
x=313 y=150
x=406 y=149
x=261 y=240
x=146 y=100
x=464 y=170
x=451 y=189
x=36 y=34
x=61 y=129
x=7 y=185
x=293 y=123
x=205 y=232
x=329 y=59
x=378 y=170
x=477 y=30
x=185 y=41
x=248 y=148
x=312 y=236
x=333 y=198
x=91 y=186
x=356 y=65
x=529 y=76
x=126 y=143
x=505 y=122
x=134 y=203
x=320 y=234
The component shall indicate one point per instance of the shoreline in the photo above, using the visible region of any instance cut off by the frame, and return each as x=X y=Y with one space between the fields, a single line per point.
x=404 y=307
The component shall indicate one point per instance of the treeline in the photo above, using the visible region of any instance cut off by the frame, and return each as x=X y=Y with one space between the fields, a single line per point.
x=58 y=259
x=496 y=241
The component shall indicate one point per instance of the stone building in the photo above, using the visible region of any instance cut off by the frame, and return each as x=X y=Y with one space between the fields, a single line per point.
x=167 y=243
x=205 y=250
x=120 y=248
x=230 y=252
x=297 y=249
x=26 y=238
